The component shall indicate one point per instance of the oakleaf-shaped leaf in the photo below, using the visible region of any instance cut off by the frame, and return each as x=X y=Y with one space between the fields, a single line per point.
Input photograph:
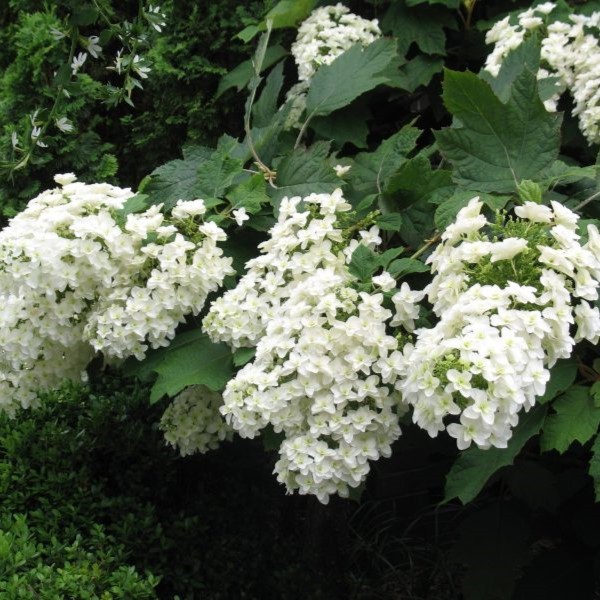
x=177 y=179
x=493 y=146
x=304 y=171
x=350 y=75
x=419 y=25
x=576 y=418
x=372 y=170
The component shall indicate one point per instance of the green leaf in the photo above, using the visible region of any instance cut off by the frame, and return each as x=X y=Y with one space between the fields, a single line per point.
x=350 y=75
x=576 y=418
x=247 y=33
x=243 y=355
x=406 y=266
x=417 y=223
x=287 y=13
x=304 y=171
x=241 y=75
x=562 y=173
x=364 y=263
x=266 y=106
x=135 y=204
x=529 y=191
x=415 y=180
x=372 y=170
x=497 y=145
x=562 y=375
x=419 y=25
x=251 y=194
x=198 y=362
x=594 y=468
x=84 y=15
x=177 y=179
x=389 y=221
x=217 y=173
x=474 y=466
x=388 y=256
x=347 y=125
x=417 y=72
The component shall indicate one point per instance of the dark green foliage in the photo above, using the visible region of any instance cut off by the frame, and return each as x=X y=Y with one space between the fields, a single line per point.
x=87 y=483
x=122 y=143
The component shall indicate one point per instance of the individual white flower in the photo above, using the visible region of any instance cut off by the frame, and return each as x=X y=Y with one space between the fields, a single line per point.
x=65 y=178
x=385 y=281
x=64 y=124
x=14 y=139
x=538 y=213
x=341 y=170
x=188 y=208
x=140 y=66
x=92 y=46
x=506 y=249
x=240 y=216
x=78 y=62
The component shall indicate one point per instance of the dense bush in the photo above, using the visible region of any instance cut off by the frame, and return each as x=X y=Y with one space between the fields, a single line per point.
x=91 y=499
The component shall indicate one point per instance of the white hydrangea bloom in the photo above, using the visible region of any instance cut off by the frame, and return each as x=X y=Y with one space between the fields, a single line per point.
x=75 y=279
x=192 y=422
x=325 y=362
x=328 y=32
x=570 y=53
x=502 y=323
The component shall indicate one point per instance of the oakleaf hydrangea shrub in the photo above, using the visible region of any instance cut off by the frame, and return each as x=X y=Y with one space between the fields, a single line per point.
x=326 y=357
x=569 y=54
x=507 y=294
x=81 y=276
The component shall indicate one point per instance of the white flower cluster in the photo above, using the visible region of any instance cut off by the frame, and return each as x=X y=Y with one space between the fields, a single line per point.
x=328 y=32
x=325 y=365
x=77 y=276
x=505 y=305
x=299 y=243
x=192 y=422
x=570 y=53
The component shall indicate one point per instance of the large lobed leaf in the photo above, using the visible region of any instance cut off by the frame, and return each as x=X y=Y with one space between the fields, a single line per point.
x=576 y=418
x=493 y=146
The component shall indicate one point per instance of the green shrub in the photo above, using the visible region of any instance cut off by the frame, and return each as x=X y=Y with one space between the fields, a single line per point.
x=86 y=569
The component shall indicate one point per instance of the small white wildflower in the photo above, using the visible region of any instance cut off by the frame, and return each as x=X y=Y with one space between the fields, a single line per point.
x=64 y=124
x=92 y=46
x=78 y=62
x=56 y=33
